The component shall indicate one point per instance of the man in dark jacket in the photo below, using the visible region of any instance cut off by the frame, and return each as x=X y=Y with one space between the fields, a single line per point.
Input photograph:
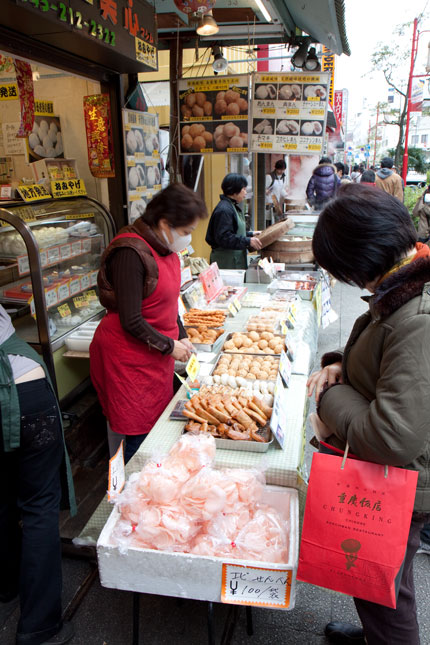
x=323 y=184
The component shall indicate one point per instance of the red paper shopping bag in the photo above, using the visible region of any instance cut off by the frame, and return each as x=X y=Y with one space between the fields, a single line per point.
x=356 y=527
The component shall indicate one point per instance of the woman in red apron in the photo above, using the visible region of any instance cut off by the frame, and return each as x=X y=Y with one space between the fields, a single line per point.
x=134 y=349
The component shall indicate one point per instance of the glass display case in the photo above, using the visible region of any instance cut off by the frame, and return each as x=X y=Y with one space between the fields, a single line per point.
x=49 y=259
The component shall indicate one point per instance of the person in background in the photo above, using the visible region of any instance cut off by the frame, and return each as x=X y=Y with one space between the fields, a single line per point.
x=277 y=187
x=32 y=456
x=368 y=178
x=135 y=346
x=323 y=184
x=355 y=175
x=374 y=393
x=227 y=234
x=422 y=212
x=342 y=172
x=389 y=180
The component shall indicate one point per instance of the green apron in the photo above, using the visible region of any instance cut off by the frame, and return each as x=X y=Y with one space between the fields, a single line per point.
x=231 y=258
x=9 y=404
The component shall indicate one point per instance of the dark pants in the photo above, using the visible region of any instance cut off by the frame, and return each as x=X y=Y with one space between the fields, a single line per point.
x=132 y=443
x=425 y=533
x=385 y=626
x=30 y=492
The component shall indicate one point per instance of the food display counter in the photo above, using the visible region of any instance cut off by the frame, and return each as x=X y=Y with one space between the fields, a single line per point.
x=49 y=259
x=282 y=467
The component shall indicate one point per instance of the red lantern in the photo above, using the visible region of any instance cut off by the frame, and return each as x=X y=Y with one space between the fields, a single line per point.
x=195 y=6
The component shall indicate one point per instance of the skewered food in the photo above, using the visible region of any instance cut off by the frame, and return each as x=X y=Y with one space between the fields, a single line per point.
x=209 y=317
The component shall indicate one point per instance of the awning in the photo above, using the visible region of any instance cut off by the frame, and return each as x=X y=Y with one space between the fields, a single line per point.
x=246 y=24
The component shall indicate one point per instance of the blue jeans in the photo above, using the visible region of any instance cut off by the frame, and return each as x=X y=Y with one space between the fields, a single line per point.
x=30 y=493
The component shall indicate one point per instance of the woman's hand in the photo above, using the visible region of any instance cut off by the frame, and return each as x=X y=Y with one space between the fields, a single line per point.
x=180 y=351
x=329 y=375
x=188 y=344
x=255 y=243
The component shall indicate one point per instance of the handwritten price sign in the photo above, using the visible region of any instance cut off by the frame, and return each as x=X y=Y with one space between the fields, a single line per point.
x=257 y=587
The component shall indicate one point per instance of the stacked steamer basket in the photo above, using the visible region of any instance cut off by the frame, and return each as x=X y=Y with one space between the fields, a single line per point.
x=282 y=248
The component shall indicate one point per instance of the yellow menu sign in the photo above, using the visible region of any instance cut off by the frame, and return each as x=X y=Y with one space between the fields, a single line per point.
x=68 y=188
x=33 y=192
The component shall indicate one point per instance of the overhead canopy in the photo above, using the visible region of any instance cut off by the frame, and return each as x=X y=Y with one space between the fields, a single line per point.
x=245 y=23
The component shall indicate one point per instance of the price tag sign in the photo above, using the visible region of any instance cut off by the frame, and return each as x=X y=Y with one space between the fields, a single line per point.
x=284 y=328
x=75 y=286
x=291 y=321
x=80 y=301
x=66 y=251
x=285 y=368
x=63 y=291
x=291 y=349
x=23 y=264
x=86 y=246
x=93 y=278
x=293 y=309
x=256 y=587
x=76 y=248
x=91 y=295
x=278 y=420
x=64 y=310
x=51 y=297
x=237 y=304
x=85 y=281
x=116 y=473
x=193 y=367
x=232 y=309
x=54 y=255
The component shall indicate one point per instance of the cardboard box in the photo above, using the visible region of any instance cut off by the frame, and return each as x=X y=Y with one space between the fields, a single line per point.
x=184 y=575
x=50 y=169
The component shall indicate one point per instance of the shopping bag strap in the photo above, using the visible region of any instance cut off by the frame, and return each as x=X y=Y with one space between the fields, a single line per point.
x=345 y=455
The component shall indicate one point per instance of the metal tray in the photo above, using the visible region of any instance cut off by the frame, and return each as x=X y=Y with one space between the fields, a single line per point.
x=247 y=446
x=229 y=351
x=215 y=347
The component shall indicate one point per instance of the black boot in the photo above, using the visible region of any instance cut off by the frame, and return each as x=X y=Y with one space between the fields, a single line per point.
x=344 y=634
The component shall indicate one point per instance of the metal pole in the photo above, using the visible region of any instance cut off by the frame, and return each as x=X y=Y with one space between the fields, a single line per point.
x=413 y=54
x=368 y=142
x=376 y=132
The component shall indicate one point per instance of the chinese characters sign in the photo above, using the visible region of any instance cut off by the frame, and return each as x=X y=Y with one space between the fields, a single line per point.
x=214 y=114
x=142 y=146
x=44 y=108
x=98 y=129
x=8 y=91
x=328 y=66
x=256 y=587
x=338 y=106
x=122 y=28
x=289 y=112
x=33 y=193
x=13 y=145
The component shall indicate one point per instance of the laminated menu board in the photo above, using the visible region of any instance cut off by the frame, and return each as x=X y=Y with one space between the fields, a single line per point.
x=213 y=114
x=142 y=149
x=289 y=112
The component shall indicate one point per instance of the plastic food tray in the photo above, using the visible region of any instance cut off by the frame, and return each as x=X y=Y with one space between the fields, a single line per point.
x=247 y=446
x=215 y=347
x=262 y=353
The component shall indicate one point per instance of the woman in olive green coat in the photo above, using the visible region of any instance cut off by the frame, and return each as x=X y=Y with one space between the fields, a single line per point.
x=227 y=234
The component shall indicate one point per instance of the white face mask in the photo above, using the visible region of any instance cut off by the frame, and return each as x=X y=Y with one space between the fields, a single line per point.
x=180 y=242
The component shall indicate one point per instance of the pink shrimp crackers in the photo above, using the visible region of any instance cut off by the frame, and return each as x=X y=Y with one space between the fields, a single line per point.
x=181 y=503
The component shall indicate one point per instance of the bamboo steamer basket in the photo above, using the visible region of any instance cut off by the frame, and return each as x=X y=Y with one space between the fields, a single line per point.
x=294 y=204
x=288 y=251
x=274 y=232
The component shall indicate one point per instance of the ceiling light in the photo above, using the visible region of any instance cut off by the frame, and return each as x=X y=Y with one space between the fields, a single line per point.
x=207 y=25
x=299 y=57
x=263 y=10
x=312 y=63
x=220 y=63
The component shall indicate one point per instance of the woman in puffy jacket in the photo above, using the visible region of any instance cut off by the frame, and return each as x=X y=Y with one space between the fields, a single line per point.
x=323 y=184
x=374 y=393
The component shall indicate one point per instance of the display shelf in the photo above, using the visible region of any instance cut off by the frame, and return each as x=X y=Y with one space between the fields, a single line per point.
x=51 y=255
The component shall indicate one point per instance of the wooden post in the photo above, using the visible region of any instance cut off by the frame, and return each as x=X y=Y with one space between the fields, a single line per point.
x=175 y=72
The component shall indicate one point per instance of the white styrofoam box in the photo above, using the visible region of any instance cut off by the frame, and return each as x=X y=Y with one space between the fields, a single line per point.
x=233 y=277
x=185 y=575
x=80 y=339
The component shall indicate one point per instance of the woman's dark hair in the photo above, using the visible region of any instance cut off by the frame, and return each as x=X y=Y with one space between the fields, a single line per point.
x=368 y=176
x=280 y=165
x=339 y=165
x=362 y=233
x=233 y=183
x=177 y=204
x=325 y=160
x=355 y=168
